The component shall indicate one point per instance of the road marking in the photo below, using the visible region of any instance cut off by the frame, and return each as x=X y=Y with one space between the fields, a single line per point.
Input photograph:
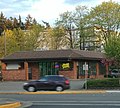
x=79 y=104
x=75 y=101
x=113 y=91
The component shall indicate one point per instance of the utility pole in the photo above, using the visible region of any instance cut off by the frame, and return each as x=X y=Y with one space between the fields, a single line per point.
x=85 y=68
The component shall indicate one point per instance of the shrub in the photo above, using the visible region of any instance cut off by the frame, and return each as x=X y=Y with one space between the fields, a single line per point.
x=103 y=83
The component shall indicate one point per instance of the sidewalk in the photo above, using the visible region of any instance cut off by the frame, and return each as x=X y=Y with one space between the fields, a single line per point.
x=9 y=103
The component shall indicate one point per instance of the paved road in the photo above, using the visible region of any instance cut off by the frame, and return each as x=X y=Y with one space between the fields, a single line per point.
x=17 y=86
x=106 y=100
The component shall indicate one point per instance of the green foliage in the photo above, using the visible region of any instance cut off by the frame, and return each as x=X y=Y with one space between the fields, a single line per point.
x=112 y=47
x=19 y=40
x=103 y=83
x=66 y=21
x=58 y=38
x=18 y=34
x=107 y=16
x=31 y=37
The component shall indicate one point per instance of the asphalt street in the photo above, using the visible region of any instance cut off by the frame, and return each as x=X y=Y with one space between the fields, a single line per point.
x=105 y=100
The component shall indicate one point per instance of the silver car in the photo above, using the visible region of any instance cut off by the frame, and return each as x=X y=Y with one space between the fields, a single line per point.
x=114 y=73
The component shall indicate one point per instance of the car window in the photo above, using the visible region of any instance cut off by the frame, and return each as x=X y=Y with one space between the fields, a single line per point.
x=55 y=78
x=114 y=71
x=43 y=79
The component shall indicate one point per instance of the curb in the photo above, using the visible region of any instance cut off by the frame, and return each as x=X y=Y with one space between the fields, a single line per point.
x=11 y=105
x=55 y=92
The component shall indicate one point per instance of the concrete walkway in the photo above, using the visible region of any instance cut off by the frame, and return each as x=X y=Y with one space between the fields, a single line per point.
x=9 y=103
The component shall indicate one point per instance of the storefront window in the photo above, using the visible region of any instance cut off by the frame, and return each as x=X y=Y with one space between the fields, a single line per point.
x=102 y=68
x=81 y=71
x=92 y=68
x=48 y=68
x=52 y=68
x=14 y=66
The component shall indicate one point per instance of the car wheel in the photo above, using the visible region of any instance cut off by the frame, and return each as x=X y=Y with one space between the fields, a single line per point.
x=59 y=88
x=31 y=89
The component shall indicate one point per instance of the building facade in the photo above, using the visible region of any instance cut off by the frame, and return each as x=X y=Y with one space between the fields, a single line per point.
x=74 y=64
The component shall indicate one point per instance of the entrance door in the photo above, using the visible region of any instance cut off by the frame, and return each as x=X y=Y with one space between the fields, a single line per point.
x=29 y=73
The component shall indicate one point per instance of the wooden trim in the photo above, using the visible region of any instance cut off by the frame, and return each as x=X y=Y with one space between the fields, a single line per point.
x=26 y=69
x=107 y=69
x=75 y=69
x=97 y=70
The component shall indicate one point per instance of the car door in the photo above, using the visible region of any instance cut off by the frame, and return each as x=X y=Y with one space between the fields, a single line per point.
x=45 y=84
x=52 y=83
x=42 y=83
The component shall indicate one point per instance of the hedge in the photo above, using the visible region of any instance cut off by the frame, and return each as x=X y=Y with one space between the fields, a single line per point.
x=103 y=83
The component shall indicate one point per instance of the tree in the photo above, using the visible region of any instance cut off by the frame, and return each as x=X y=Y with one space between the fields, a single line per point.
x=2 y=23
x=9 y=24
x=58 y=40
x=1 y=46
x=32 y=36
x=112 y=48
x=66 y=21
x=28 y=22
x=77 y=27
x=20 y=23
x=82 y=25
x=11 y=44
x=44 y=39
x=19 y=37
x=107 y=17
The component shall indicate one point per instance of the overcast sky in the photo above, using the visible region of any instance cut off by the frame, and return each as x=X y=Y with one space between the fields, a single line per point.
x=47 y=10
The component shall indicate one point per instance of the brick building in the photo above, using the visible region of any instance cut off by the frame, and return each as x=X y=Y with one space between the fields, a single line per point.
x=31 y=65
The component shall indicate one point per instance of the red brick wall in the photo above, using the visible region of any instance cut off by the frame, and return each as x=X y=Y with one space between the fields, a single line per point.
x=20 y=74
x=13 y=75
x=35 y=70
x=68 y=74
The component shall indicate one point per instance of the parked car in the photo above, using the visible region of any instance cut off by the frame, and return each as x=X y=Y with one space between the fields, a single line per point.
x=114 y=73
x=48 y=82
